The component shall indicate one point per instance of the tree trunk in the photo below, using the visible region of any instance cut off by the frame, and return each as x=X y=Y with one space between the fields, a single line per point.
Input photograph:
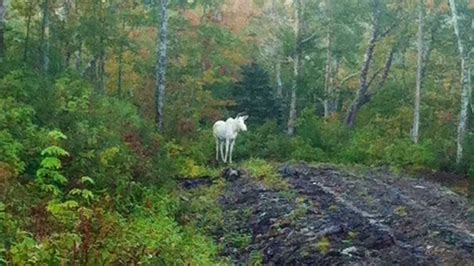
x=292 y=117
x=296 y=59
x=388 y=66
x=279 y=83
x=327 y=79
x=419 y=72
x=120 y=70
x=161 y=64
x=3 y=48
x=100 y=59
x=120 y=61
x=120 y=64
x=330 y=97
x=79 y=57
x=363 y=87
x=45 y=37
x=101 y=55
x=361 y=97
x=465 y=83
x=27 y=37
x=67 y=44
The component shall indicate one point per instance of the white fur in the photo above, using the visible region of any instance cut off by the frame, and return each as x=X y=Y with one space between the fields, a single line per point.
x=226 y=133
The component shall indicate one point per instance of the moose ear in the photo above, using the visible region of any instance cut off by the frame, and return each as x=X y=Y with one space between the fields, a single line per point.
x=245 y=117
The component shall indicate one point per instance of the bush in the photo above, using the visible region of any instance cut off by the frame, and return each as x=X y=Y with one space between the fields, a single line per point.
x=304 y=151
x=110 y=198
x=403 y=153
x=362 y=148
x=253 y=143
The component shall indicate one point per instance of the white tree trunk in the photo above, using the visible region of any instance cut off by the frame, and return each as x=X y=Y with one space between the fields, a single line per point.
x=328 y=79
x=161 y=64
x=278 y=79
x=419 y=69
x=465 y=84
x=292 y=117
x=296 y=59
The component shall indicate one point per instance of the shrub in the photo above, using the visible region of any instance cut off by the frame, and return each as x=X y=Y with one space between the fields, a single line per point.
x=403 y=153
x=302 y=150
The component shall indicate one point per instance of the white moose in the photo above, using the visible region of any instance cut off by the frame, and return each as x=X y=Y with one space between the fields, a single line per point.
x=226 y=132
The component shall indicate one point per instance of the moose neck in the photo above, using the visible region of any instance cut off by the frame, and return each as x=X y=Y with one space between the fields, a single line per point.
x=233 y=128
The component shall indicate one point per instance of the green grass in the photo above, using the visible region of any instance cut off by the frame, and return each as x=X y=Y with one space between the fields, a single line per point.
x=265 y=172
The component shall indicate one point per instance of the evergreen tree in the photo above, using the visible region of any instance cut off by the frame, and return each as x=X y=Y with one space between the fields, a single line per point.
x=254 y=95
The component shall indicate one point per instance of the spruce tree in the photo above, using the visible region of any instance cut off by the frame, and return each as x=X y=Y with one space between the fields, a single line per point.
x=254 y=95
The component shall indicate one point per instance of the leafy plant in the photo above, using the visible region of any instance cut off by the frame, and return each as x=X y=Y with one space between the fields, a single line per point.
x=49 y=176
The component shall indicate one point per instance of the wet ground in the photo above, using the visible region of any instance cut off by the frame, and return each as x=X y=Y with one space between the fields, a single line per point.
x=331 y=217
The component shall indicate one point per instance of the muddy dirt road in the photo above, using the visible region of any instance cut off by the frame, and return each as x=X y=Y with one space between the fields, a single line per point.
x=331 y=217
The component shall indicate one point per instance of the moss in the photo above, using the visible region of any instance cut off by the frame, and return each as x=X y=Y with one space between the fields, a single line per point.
x=323 y=245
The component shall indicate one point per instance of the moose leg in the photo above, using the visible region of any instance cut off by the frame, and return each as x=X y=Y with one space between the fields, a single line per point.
x=217 y=149
x=227 y=142
x=221 y=143
x=231 y=150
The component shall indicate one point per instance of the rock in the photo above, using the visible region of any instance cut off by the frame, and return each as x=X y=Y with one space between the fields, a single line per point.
x=288 y=171
x=420 y=187
x=194 y=183
x=348 y=251
x=231 y=174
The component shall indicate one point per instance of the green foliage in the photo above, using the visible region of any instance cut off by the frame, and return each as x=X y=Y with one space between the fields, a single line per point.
x=323 y=245
x=48 y=175
x=254 y=95
x=28 y=251
x=200 y=208
x=155 y=238
x=302 y=150
x=264 y=172
x=403 y=153
x=89 y=191
x=238 y=240
x=367 y=147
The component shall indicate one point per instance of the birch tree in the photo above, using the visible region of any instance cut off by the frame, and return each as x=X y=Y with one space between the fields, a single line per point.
x=271 y=28
x=277 y=51
x=464 y=53
x=296 y=62
x=331 y=69
x=160 y=73
x=419 y=72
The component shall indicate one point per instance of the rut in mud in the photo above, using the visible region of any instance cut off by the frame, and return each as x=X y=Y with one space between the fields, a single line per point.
x=329 y=216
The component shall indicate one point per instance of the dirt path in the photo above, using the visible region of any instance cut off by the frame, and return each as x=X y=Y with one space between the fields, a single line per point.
x=329 y=216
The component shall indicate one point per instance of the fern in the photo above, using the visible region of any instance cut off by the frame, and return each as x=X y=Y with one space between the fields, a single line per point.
x=48 y=175
x=54 y=151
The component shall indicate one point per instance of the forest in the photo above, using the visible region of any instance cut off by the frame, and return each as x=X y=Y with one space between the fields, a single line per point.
x=356 y=109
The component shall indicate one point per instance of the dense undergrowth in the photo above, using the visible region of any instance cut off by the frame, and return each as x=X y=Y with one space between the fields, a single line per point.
x=86 y=180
